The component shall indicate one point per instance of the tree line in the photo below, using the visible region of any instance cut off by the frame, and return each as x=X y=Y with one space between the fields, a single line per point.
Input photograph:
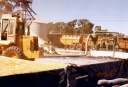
x=81 y=26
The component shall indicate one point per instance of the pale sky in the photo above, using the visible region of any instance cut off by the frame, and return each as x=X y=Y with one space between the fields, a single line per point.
x=109 y=14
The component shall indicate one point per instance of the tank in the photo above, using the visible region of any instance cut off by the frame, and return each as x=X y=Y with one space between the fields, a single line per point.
x=39 y=28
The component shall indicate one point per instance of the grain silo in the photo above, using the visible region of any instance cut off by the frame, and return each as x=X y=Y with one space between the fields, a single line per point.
x=39 y=28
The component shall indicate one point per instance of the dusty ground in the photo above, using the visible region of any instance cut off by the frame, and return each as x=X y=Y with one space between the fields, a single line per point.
x=11 y=66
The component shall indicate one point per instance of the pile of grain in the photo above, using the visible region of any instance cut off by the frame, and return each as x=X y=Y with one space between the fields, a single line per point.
x=11 y=66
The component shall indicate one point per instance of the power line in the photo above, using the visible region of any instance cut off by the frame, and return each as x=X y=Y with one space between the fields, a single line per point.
x=107 y=20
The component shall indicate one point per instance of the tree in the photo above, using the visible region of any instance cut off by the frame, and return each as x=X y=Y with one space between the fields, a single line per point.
x=13 y=7
x=82 y=26
x=50 y=27
x=85 y=26
x=57 y=27
x=6 y=6
x=70 y=26
x=62 y=26
x=77 y=31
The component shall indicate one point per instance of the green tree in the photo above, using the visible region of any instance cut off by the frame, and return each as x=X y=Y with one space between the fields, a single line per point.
x=62 y=26
x=70 y=26
x=13 y=7
x=50 y=27
x=57 y=27
x=77 y=31
x=85 y=26
x=82 y=26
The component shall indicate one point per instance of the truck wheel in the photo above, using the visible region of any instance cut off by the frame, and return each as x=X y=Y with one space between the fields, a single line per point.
x=14 y=52
x=72 y=46
x=80 y=47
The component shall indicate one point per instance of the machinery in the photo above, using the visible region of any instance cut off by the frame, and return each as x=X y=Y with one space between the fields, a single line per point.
x=106 y=43
x=73 y=42
x=14 y=42
x=99 y=43
x=109 y=41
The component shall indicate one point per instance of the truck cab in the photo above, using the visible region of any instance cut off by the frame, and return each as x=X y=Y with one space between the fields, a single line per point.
x=14 y=42
x=11 y=26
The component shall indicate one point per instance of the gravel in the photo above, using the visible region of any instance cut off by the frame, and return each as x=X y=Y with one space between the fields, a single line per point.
x=12 y=66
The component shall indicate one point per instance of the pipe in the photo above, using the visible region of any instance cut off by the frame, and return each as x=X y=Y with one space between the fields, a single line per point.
x=28 y=32
x=86 y=45
x=80 y=77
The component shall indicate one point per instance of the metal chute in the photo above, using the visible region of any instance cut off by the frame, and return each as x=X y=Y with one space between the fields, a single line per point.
x=24 y=9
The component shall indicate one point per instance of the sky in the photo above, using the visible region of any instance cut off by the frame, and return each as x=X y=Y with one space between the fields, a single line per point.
x=109 y=14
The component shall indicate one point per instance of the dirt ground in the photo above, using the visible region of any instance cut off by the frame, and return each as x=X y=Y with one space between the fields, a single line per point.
x=12 y=66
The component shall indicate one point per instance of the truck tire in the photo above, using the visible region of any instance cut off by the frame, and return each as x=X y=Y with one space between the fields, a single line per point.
x=14 y=52
x=72 y=46
x=80 y=47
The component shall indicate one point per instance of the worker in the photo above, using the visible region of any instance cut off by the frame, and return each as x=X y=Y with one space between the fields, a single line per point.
x=4 y=35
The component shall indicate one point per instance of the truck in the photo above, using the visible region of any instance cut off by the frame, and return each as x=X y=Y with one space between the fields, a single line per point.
x=14 y=40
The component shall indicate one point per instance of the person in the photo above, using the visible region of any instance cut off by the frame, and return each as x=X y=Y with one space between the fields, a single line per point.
x=4 y=35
